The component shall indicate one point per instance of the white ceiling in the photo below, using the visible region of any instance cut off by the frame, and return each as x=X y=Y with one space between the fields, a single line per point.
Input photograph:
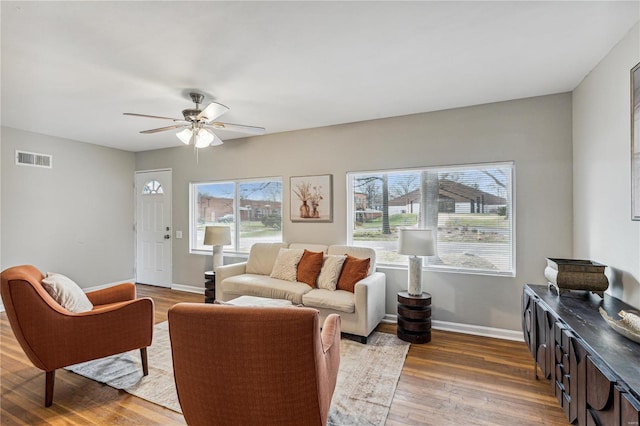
x=70 y=69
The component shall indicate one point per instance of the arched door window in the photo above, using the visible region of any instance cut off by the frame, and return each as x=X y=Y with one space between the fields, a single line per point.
x=152 y=187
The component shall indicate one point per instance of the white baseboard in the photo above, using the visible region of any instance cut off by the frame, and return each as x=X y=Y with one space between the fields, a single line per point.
x=187 y=288
x=477 y=330
x=107 y=285
x=390 y=319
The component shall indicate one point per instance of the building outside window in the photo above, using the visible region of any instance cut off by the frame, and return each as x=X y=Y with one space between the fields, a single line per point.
x=251 y=208
x=469 y=208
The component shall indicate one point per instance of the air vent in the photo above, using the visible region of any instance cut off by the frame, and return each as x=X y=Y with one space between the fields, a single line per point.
x=33 y=159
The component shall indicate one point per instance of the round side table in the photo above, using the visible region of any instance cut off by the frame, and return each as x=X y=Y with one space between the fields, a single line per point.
x=209 y=287
x=414 y=317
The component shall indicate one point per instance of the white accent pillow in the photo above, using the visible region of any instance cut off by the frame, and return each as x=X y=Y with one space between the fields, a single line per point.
x=330 y=272
x=286 y=266
x=67 y=293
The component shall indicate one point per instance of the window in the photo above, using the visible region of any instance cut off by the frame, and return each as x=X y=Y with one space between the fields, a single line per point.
x=152 y=187
x=252 y=208
x=470 y=209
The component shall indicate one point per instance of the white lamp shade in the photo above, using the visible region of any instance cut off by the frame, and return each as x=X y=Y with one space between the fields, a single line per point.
x=217 y=235
x=203 y=138
x=185 y=136
x=416 y=242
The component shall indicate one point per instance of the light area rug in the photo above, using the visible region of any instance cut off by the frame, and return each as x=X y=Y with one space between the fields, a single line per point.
x=366 y=383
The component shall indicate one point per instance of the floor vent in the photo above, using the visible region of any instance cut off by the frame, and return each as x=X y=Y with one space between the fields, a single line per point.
x=33 y=159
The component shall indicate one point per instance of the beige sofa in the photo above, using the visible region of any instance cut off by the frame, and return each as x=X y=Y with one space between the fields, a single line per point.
x=360 y=311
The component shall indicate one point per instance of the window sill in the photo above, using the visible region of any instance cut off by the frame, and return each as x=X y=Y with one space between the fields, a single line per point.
x=450 y=270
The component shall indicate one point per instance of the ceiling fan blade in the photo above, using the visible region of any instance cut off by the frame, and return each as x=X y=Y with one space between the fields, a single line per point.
x=252 y=130
x=163 y=129
x=216 y=141
x=212 y=111
x=151 y=116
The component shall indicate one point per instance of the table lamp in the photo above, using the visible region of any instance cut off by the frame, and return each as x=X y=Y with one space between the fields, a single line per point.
x=415 y=243
x=217 y=236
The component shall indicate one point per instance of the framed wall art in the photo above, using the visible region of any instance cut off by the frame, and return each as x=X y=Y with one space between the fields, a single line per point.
x=635 y=143
x=311 y=198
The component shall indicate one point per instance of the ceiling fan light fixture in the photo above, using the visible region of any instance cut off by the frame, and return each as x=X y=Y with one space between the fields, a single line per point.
x=185 y=136
x=198 y=126
x=203 y=138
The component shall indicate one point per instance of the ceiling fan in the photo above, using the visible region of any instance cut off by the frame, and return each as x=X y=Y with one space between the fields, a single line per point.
x=198 y=124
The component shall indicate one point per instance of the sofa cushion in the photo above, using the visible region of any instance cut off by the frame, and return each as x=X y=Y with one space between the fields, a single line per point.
x=353 y=270
x=66 y=292
x=338 y=300
x=309 y=267
x=359 y=252
x=286 y=265
x=262 y=257
x=264 y=286
x=330 y=272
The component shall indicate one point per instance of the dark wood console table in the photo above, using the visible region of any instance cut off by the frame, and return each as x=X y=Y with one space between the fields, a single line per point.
x=594 y=371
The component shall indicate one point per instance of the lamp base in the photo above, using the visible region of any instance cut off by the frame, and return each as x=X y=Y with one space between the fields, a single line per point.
x=217 y=257
x=415 y=276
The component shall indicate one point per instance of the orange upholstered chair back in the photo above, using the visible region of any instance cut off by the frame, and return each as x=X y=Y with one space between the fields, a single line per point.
x=242 y=365
x=28 y=306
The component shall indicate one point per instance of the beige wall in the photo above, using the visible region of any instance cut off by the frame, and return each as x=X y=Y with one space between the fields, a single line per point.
x=572 y=200
x=535 y=133
x=603 y=229
x=76 y=218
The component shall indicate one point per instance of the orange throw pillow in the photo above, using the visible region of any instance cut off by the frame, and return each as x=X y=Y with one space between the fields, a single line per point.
x=309 y=267
x=353 y=270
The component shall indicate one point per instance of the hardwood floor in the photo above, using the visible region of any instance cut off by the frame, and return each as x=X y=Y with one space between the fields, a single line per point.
x=456 y=379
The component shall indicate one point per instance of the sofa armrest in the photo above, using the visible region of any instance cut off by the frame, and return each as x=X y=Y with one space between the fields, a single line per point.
x=370 y=299
x=225 y=271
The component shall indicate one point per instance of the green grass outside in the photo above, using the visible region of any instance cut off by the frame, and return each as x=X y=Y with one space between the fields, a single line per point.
x=395 y=220
x=372 y=230
x=470 y=220
x=475 y=220
x=249 y=229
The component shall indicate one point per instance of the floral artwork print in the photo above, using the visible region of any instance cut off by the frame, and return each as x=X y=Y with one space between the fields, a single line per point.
x=310 y=198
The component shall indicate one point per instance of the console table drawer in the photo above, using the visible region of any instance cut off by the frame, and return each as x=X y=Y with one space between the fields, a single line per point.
x=629 y=409
x=600 y=394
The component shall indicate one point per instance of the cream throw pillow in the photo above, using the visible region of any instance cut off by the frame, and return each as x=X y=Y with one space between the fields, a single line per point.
x=330 y=272
x=66 y=292
x=286 y=266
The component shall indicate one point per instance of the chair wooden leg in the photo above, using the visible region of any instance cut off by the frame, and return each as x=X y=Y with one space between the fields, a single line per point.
x=145 y=365
x=48 y=394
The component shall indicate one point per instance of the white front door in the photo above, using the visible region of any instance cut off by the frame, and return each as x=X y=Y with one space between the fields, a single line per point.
x=153 y=228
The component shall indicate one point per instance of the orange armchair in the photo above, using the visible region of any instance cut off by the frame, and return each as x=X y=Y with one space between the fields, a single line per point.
x=253 y=365
x=53 y=337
